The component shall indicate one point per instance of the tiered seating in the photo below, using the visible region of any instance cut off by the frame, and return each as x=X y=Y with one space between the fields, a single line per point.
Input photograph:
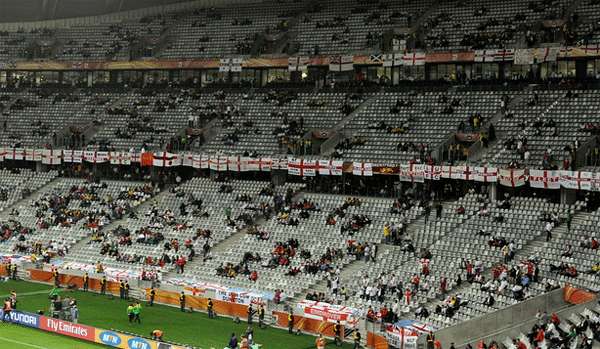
x=521 y=224
x=588 y=13
x=14 y=45
x=568 y=114
x=43 y=114
x=16 y=185
x=422 y=123
x=484 y=24
x=349 y=26
x=397 y=261
x=329 y=237
x=151 y=127
x=106 y=41
x=583 y=258
x=224 y=32
x=210 y=216
x=319 y=111
x=41 y=219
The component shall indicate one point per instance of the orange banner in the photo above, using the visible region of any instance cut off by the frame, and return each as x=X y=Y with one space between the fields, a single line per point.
x=376 y=341
x=200 y=303
x=305 y=324
x=66 y=280
x=576 y=296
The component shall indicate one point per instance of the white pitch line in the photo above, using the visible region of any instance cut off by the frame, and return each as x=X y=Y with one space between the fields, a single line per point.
x=21 y=343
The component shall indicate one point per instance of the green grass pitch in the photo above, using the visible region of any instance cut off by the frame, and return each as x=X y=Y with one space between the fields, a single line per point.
x=106 y=312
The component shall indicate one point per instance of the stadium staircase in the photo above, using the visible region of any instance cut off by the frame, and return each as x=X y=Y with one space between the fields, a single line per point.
x=476 y=151
x=530 y=248
x=489 y=156
x=19 y=205
x=338 y=130
x=139 y=210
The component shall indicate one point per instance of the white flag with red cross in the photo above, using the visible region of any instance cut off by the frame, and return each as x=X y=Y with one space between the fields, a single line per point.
x=204 y=161
x=575 y=179
x=412 y=173
x=166 y=159
x=218 y=163
x=433 y=172
x=75 y=156
x=485 y=174
x=362 y=169
x=187 y=159
x=330 y=167
x=413 y=58
x=512 y=177
x=302 y=167
x=51 y=157
x=15 y=154
x=237 y=163
x=119 y=158
x=544 y=179
x=462 y=172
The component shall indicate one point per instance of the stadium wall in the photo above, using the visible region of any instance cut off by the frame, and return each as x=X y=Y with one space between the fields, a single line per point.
x=500 y=320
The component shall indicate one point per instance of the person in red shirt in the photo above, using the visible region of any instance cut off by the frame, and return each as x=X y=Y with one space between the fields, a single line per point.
x=6 y=308
x=415 y=281
x=180 y=264
x=443 y=285
x=383 y=312
x=371 y=314
x=539 y=337
x=407 y=295
x=555 y=320
x=254 y=276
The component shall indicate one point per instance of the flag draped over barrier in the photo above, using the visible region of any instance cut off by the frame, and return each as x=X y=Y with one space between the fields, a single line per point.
x=411 y=172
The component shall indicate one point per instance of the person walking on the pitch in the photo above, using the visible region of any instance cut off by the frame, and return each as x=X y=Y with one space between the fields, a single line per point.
x=103 y=285
x=13 y=271
x=137 y=310
x=152 y=295
x=122 y=289
x=250 y=314
x=86 y=282
x=233 y=342
x=55 y=275
x=6 y=310
x=182 y=301
x=320 y=342
x=291 y=321
x=130 y=315
x=209 y=307
x=126 y=289
x=74 y=314
x=261 y=316
x=337 y=331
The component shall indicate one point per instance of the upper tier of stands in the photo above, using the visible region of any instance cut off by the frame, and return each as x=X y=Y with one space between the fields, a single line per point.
x=537 y=128
x=306 y=27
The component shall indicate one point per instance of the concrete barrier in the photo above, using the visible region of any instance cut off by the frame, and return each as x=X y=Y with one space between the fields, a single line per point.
x=493 y=323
